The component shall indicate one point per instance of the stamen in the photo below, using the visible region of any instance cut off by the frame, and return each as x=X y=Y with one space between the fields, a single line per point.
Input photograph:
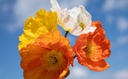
x=81 y=25
x=89 y=49
x=53 y=60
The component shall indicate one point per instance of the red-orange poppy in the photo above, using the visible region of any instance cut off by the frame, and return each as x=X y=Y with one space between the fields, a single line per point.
x=93 y=48
x=47 y=57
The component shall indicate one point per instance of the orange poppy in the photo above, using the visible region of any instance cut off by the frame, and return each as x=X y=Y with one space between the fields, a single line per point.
x=93 y=48
x=48 y=57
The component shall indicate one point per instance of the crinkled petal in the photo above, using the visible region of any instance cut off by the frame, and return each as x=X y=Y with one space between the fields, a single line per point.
x=93 y=48
x=48 y=19
x=48 y=57
x=42 y=23
x=76 y=20
x=32 y=29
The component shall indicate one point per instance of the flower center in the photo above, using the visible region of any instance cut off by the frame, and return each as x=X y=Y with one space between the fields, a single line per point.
x=89 y=49
x=81 y=25
x=81 y=21
x=52 y=60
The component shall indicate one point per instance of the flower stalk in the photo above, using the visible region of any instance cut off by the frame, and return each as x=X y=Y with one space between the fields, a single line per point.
x=66 y=33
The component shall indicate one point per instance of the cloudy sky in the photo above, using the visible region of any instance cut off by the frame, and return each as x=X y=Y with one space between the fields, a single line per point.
x=112 y=13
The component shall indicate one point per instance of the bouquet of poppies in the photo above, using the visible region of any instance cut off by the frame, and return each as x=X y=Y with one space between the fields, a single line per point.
x=46 y=54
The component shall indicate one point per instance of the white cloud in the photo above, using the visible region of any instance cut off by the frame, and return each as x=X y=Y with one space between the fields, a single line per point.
x=109 y=18
x=77 y=73
x=72 y=3
x=121 y=40
x=25 y=8
x=122 y=74
x=110 y=7
x=22 y=9
x=5 y=7
x=122 y=24
x=114 y=4
x=12 y=27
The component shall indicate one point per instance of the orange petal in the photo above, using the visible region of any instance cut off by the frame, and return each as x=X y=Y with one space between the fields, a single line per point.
x=46 y=58
x=65 y=73
x=97 y=66
x=91 y=49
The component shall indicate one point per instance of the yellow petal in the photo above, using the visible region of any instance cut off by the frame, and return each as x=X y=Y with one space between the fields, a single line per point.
x=32 y=29
x=48 y=19
x=42 y=23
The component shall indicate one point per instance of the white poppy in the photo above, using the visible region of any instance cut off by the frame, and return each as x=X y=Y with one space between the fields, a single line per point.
x=76 y=20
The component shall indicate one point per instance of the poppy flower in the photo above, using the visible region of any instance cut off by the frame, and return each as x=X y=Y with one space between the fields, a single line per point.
x=42 y=23
x=93 y=48
x=76 y=20
x=48 y=57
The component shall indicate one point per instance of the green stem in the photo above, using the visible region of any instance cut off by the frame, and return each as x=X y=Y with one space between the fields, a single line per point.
x=66 y=33
x=74 y=56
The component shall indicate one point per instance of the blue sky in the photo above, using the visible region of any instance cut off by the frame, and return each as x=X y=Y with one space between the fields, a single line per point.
x=112 y=13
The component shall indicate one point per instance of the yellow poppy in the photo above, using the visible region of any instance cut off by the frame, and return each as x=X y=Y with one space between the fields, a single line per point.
x=43 y=23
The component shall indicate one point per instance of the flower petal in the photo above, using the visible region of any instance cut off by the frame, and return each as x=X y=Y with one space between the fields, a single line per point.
x=76 y=20
x=91 y=49
x=97 y=66
x=43 y=23
x=32 y=29
x=46 y=57
x=65 y=73
x=48 y=19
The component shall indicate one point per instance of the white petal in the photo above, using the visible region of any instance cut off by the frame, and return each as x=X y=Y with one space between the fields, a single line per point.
x=54 y=4
x=76 y=20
